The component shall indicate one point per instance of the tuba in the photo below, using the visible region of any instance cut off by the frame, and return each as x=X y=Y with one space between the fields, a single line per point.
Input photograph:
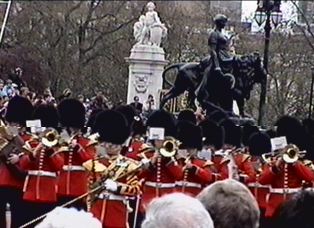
x=169 y=148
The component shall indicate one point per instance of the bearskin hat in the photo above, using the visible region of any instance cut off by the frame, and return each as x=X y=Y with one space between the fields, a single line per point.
x=233 y=133
x=92 y=118
x=47 y=114
x=187 y=115
x=293 y=130
x=247 y=131
x=112 y=127
x=271 y=133
x=309 y=126
x=19 y=110
x=189 y=135
x=71 y=113
x=259 y=143
x=128 y=111
x=163 y=119
x=138 y=127
x=212 y=134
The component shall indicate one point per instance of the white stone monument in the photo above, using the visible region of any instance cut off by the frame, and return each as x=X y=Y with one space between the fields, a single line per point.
x=147 y=58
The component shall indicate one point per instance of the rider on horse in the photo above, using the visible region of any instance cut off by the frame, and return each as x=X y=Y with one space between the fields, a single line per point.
x=221 y=59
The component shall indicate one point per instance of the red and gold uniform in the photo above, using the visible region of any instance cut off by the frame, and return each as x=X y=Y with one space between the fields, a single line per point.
x=196 y=177
x=246 y=169
x=112 y=208
x=221 y=166
x=73 y=177
x=284 y=182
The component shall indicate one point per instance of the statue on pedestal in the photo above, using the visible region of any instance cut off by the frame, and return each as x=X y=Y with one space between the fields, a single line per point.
x=149 y=30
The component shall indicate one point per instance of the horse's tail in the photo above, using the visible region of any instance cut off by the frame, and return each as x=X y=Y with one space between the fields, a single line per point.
x=173 y=66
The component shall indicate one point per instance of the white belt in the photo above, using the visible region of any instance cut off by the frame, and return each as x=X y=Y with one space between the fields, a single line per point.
x=188 y=184
x=159 y=185
x=73 y=168
x=108 y=196
x=257 y=185
x=42 y=173
x=284 y=190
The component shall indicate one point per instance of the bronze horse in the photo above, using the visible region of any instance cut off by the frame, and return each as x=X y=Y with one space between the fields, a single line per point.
x=216 y=87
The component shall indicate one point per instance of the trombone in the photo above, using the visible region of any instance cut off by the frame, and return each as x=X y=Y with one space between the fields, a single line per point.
x=169 y=148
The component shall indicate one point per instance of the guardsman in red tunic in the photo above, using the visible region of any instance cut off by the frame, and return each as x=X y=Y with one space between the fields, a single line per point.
x=196 y=172
x=42 y=164
x=285 y=176
x=213 y=140
x=258 y=144
x=162 y=171
x=19 y=110
x=119 y=178
x=76 y=149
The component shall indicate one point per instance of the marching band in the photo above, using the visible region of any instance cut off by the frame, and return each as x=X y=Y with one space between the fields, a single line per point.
x=121 y=164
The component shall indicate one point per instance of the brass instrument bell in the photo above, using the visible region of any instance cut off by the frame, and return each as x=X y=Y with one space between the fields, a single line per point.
x=50 y=138
x=170 y=147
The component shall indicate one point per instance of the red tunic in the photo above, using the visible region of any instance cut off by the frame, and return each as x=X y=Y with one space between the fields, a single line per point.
x=73 y=179
x=134 y=150
x=41 y=182
x=246 y=169
x=112 y=208
x=296 y=173
x=221 y=167
x=7 y=178
x=194 y=180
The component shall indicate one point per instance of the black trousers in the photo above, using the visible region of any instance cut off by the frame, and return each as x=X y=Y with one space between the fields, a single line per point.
x=13 y=197
x=34 y=210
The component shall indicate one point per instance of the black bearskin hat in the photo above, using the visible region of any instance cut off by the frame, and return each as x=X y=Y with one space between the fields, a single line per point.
x=247 y=131
x=112 y=127
x=47 y=114
x=163 y=119
x=128 y=111
x=309 y=126
x=212 y=134
x=271 y=133
x=259 y=143
x=232 y=133
x=293 y=130
x=189 y=135
x=138 y=127
x=187 y=115
x=19 y=110
x=92 y=118
x=71 y=113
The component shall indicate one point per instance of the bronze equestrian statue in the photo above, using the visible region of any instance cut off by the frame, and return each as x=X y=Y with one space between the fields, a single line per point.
x=219 y=78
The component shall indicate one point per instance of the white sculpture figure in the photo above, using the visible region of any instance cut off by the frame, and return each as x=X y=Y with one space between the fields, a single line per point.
x=149 y=30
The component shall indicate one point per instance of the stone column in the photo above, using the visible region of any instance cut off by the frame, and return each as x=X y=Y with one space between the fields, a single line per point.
x=146 y=64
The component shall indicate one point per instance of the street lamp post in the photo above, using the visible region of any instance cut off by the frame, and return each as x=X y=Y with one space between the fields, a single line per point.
x=311 y=94
x=267 y=11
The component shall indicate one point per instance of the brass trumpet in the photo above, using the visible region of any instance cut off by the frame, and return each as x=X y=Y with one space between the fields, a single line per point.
x=170 y=147
x=289 y=154
x=50 y=138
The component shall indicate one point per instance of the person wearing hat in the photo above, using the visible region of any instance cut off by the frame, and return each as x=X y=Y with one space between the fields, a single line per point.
x=19 y=109
x=75 y=150
x=187 y=115
x=285 y=175
x=213 y=141
x=163 y=171
x=42 y=164
x=119 y=178
x=258 y=144
x=196 y=172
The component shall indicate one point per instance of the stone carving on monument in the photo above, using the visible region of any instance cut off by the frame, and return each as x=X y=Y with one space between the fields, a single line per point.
x=147 y=58
x=149 y=30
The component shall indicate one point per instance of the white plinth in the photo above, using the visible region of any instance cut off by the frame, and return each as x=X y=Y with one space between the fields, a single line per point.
x=146 y=64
